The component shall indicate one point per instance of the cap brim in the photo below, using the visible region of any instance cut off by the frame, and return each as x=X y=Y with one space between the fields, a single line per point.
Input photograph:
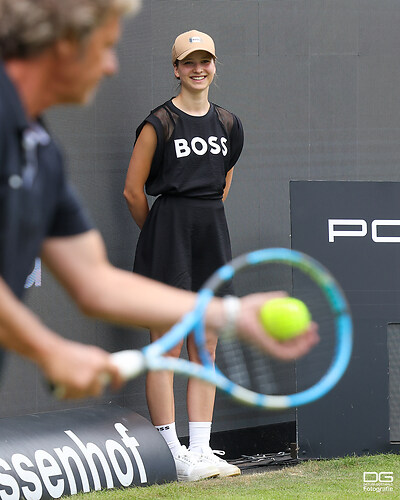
x=190 y=51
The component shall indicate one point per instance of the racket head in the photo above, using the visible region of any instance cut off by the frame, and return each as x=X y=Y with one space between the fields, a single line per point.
x=259 y=380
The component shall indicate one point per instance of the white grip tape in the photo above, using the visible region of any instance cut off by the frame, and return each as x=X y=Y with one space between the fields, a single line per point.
x=130 y=363
x=232 y=307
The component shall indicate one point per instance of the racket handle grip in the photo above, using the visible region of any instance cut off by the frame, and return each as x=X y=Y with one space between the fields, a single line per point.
x=130 y=363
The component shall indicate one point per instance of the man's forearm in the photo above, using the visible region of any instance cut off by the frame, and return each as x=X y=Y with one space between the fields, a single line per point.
x=130 y=299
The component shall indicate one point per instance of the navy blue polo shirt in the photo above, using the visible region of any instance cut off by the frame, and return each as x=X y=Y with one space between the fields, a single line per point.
x=36 y=200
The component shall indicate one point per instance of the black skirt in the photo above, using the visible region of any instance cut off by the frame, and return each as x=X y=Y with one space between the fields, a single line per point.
x=183 y=241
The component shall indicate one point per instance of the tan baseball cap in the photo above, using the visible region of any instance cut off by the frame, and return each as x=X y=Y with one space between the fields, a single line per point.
x=189 y=42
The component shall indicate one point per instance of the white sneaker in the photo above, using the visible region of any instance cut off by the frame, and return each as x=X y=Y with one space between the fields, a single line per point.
x=226 y=469
x=190 y=468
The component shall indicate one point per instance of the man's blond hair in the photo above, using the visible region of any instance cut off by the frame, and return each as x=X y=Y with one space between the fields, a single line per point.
x=27 y=27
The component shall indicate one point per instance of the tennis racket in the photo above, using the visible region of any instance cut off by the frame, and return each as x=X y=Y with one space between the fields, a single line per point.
x=241 y=370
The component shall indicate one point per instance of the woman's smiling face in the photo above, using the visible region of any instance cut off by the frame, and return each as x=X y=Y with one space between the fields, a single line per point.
x=196 y=71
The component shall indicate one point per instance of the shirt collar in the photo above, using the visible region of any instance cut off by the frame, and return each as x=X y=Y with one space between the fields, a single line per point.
x=36 y=134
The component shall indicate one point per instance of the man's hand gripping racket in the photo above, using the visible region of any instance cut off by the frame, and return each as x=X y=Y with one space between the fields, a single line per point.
x=249 y=363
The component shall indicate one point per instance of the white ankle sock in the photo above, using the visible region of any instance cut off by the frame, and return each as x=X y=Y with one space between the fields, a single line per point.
x=199 y=436
x=168 y=432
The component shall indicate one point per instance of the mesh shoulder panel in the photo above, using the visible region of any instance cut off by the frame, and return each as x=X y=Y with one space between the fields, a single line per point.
x=225 y=117
x=168 y=120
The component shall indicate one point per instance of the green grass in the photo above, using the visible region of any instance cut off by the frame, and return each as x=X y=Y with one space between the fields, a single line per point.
x=337 y=479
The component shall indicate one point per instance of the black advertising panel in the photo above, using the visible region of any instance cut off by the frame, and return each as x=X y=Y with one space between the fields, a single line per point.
x=48 y=455
x=353 y=228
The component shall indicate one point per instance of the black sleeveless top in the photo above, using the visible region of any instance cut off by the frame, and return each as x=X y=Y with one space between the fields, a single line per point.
x=193 y=153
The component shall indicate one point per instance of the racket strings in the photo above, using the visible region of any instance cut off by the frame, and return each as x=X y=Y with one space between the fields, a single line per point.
x=248 y=367
x=234 y=364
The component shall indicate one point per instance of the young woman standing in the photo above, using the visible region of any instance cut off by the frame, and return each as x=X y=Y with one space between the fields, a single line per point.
x=184 y=154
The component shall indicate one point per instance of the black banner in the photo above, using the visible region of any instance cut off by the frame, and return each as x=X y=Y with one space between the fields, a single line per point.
x=353 y=228
x=49 y=455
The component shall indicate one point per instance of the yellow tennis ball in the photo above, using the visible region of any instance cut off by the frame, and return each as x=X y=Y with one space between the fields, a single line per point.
x=285 y=317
